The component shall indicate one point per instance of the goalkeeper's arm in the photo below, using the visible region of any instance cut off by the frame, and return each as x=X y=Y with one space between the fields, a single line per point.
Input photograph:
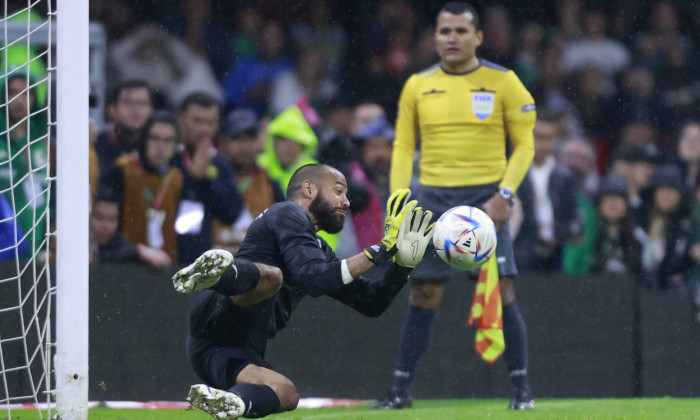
x=371 y=298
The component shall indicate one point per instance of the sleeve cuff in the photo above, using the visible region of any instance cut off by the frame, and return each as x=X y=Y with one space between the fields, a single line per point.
x=345 y=271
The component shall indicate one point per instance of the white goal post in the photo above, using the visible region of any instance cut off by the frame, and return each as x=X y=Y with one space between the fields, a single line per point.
x=51 y=59
x=72 y=206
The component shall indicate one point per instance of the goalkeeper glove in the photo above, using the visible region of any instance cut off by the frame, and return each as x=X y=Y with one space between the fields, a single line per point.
x=414 y=235
x=397 y=207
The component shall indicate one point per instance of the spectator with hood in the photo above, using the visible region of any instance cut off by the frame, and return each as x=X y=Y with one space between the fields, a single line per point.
x=290 y=143
x=667 y=229
x=150 y=186
x=616 y=248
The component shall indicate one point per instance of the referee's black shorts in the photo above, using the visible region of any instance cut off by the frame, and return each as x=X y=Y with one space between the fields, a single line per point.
x=438 y=200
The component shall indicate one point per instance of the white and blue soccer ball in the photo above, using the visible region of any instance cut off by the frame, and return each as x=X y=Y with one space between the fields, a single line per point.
x=465 y=237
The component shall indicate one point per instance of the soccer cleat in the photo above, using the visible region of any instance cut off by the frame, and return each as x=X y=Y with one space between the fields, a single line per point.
x=222 y=405
x=395 y=399
x=522 y=400
x=204 y=272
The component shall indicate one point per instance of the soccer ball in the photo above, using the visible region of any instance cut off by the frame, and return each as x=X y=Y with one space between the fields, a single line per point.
x=465 y=237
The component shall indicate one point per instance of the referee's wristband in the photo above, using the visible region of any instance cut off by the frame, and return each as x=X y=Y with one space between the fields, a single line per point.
x=378 y=253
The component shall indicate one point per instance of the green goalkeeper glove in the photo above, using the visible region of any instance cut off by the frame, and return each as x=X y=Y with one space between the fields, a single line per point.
x=397 y=207
x=414 y=235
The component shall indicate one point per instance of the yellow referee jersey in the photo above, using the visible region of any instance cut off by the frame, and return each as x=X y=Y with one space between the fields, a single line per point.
x=462 y=121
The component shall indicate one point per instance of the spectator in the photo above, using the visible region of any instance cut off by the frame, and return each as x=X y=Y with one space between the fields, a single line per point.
x=166 y=63
x=290 y=144
x=238 y=142
x=197 y=24
x=338 y=115
x=150 y=186
x=244 y=42
x=552 y=94
x=616 y=248
x=663 y=48
x=374 y=142
x=636 y=166
x=667 y=229
x=595 y=49
x=108 y=245
x=337 y=150
x=639 y=96
x=247 y=84
x=688 y=151
x=579 y=156
x=306 y=80
x=363 y=113
x=320 y=33
x=548 y=198
x=498 y=36
x=209 y=188
x=591 y=95
x=526 y=58
x=128 y=108
x=24 y=153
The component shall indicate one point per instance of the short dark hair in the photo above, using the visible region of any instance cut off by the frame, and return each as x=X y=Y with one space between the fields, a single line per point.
x=314 y=172
x=202 y=99
x=159 y=116
x=106 y=193
x=129 y=84
x=458 y=8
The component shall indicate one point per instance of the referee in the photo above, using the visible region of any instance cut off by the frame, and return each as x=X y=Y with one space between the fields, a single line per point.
x=461 y=109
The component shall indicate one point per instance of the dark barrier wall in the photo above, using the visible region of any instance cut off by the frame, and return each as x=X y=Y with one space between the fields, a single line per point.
x=581 y=335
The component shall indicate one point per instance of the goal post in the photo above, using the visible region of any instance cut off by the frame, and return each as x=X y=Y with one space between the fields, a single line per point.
x=72 y=206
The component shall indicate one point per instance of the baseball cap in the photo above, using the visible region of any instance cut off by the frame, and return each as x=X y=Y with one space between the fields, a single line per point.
x=378 y=127
x=612 y=184
x=239 y=121
x=667 y=176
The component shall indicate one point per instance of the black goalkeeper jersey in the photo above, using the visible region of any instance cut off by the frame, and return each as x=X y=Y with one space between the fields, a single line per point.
x=284 y=236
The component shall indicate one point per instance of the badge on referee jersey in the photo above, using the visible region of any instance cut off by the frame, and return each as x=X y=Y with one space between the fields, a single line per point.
x=483 y=102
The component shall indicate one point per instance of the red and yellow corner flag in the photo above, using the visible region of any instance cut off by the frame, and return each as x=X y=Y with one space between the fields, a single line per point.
x=488 y=313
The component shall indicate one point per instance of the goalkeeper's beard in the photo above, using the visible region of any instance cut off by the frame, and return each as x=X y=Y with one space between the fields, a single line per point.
x=326 y=217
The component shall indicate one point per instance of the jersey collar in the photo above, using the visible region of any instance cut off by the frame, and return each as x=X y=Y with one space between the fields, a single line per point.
x=462 y=73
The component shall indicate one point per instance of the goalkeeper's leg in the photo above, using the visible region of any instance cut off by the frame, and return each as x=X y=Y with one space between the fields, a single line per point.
x=246 y=282
x=258 y=392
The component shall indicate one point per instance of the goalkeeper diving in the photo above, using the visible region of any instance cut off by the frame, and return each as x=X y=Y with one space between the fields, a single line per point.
x=241 y=304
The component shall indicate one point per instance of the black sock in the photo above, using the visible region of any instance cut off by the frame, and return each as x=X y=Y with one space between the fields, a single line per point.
x=242 y=277
x=260 y=400
x=515 y=354
x=415 y=338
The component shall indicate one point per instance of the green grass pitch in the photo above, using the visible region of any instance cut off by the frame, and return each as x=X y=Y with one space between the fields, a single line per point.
x=559 y=409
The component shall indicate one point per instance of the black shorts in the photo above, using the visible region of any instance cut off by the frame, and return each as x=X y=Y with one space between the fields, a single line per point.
x=225 y=338
x=219 y=366
x=438 y=200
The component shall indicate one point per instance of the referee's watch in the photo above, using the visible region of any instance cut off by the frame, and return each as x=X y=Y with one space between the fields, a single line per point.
x=506 y=193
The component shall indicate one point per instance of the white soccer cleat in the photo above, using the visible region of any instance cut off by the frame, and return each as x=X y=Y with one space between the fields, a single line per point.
x=204 y=272
x=222 y=405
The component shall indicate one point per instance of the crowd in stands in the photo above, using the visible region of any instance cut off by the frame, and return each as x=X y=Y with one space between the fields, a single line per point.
x=259 y=91
x=212 y=105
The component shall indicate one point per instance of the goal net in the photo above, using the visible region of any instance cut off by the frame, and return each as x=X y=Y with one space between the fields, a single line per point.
x=37 y=363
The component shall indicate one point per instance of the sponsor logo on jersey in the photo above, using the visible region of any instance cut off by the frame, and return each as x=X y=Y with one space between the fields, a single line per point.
x=483 y=102
x=433 y=92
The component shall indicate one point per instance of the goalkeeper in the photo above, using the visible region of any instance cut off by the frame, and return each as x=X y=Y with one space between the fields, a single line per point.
x=246 y=303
